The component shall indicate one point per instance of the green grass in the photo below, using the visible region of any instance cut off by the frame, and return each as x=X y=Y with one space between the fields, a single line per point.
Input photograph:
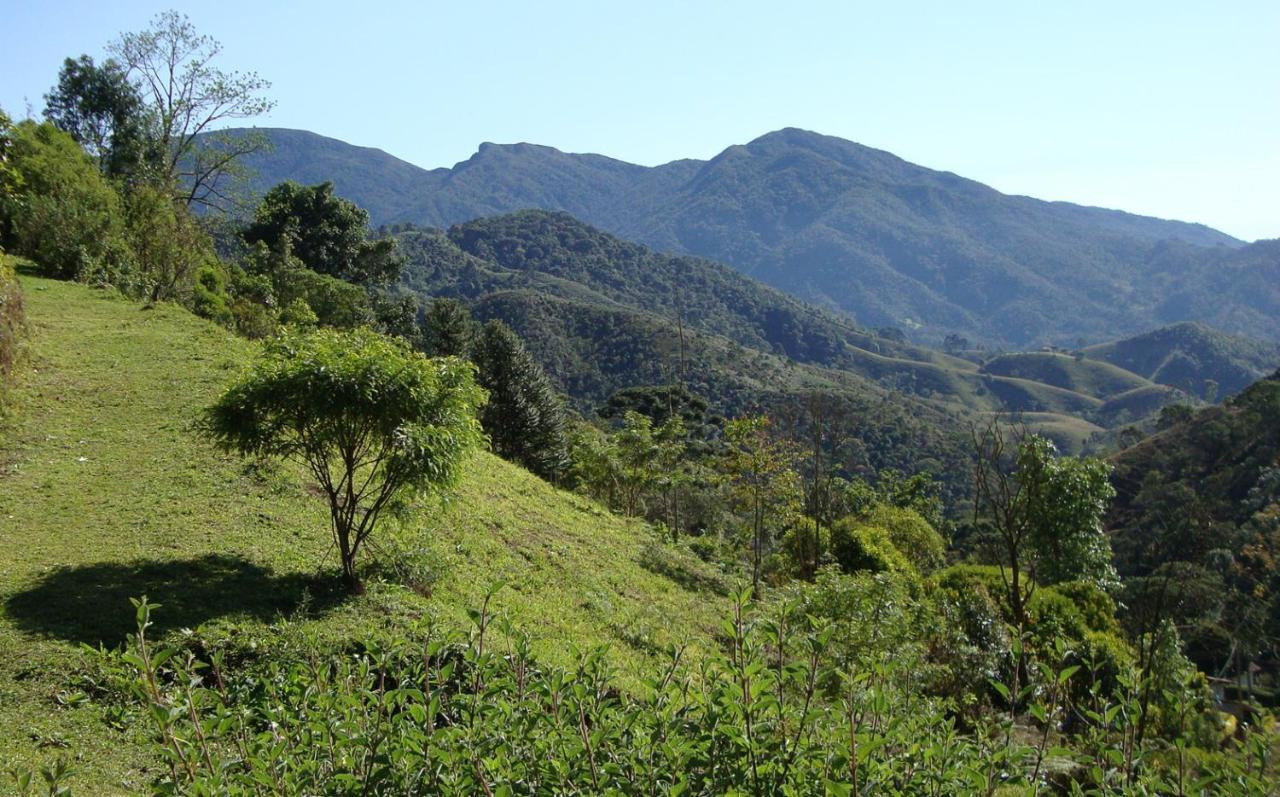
x=106 y=492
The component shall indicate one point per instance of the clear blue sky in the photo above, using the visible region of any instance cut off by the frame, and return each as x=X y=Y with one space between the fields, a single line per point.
x=1165 y=108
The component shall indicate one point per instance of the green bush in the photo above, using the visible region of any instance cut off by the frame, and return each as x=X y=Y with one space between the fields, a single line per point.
x=1096 y=607
x=335 y=303
x=209 y=295
x=65 y=216
x=856 y=545
x=911 y=534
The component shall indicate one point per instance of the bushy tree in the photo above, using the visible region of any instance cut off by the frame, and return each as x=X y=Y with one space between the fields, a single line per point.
x=373 y=421
x=327 y=233
x=167 y=244
x=1045 y=512
x=525 y=418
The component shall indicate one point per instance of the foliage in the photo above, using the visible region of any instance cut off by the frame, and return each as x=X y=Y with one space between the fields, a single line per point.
x=326 y=233
x=524 y=418
x=104 y=113
x=172 y=68
x=66 y=216
x=373 y=421
x=858 y=546
x=764 y=487
x=788 y=705
x=168 y=245
x=1195 y=532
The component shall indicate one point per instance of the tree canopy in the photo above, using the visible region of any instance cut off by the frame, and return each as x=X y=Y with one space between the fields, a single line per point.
x=326 y=232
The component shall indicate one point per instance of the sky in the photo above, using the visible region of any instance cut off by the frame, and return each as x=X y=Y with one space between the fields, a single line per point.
x=1169 y=109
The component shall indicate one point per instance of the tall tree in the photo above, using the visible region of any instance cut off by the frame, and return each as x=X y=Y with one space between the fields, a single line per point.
x=172 y=67
x=329 y=234
x=525 y=418
x=103 y=112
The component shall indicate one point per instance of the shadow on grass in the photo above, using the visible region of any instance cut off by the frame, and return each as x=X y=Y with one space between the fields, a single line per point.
x=90 y=603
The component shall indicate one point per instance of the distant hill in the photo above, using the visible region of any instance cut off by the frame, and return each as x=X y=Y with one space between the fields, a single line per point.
x=602 y=314
x=1189 y=356
x=848 y=227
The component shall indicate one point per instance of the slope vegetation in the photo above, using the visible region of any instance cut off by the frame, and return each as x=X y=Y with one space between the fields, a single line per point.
x=106 y=492
x=1188 y=356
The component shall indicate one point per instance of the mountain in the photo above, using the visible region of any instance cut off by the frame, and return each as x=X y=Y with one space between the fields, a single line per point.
x=851 y=228
x=602 y=314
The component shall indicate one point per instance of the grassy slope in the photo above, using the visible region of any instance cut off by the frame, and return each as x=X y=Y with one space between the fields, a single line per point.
x=105 y=492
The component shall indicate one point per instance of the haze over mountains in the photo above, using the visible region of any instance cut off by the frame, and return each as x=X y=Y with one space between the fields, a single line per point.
x=847 y=227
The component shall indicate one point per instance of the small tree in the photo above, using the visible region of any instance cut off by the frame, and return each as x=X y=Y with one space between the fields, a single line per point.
x=765 y=485
x=525 y=418
x=329 y=234
x=374 y=421
x=103 y=112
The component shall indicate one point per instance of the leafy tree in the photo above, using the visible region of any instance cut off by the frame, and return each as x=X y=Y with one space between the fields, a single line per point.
x=373 y=420
x=172 y=68
x=103 y=112
x=326 y=232
x=525 y=418
x=447 y=329
x=764 y=483
x=1045 y=512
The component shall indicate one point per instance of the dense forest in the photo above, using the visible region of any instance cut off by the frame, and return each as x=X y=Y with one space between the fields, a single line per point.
x=303 y=504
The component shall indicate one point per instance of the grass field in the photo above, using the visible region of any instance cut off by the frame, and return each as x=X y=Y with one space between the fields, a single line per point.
x=107 y=492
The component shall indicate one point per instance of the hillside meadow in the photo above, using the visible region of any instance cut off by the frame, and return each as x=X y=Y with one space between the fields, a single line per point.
x=109 y=493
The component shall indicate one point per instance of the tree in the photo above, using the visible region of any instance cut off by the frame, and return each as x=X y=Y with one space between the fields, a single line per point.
x=446 y=328
x=103 y=112
x=329 y=234
x=374 y=421
x=525 y=418
x=171 y=67
x=764 y=482
x=1045 y=512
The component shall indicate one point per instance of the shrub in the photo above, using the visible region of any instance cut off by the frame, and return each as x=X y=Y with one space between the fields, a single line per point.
x=857 y=545
x=911 y=534
x=65 y=216
x=13 y=322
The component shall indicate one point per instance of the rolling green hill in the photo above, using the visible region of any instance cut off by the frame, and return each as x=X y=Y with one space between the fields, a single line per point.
x=1188 y=356
x=106 y=492
x=847 y=227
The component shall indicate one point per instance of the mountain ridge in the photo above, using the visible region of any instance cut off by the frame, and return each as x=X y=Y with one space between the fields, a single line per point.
x=843 y=226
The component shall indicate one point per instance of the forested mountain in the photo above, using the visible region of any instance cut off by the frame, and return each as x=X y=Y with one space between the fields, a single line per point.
x=852 y=228
x=602 y=314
